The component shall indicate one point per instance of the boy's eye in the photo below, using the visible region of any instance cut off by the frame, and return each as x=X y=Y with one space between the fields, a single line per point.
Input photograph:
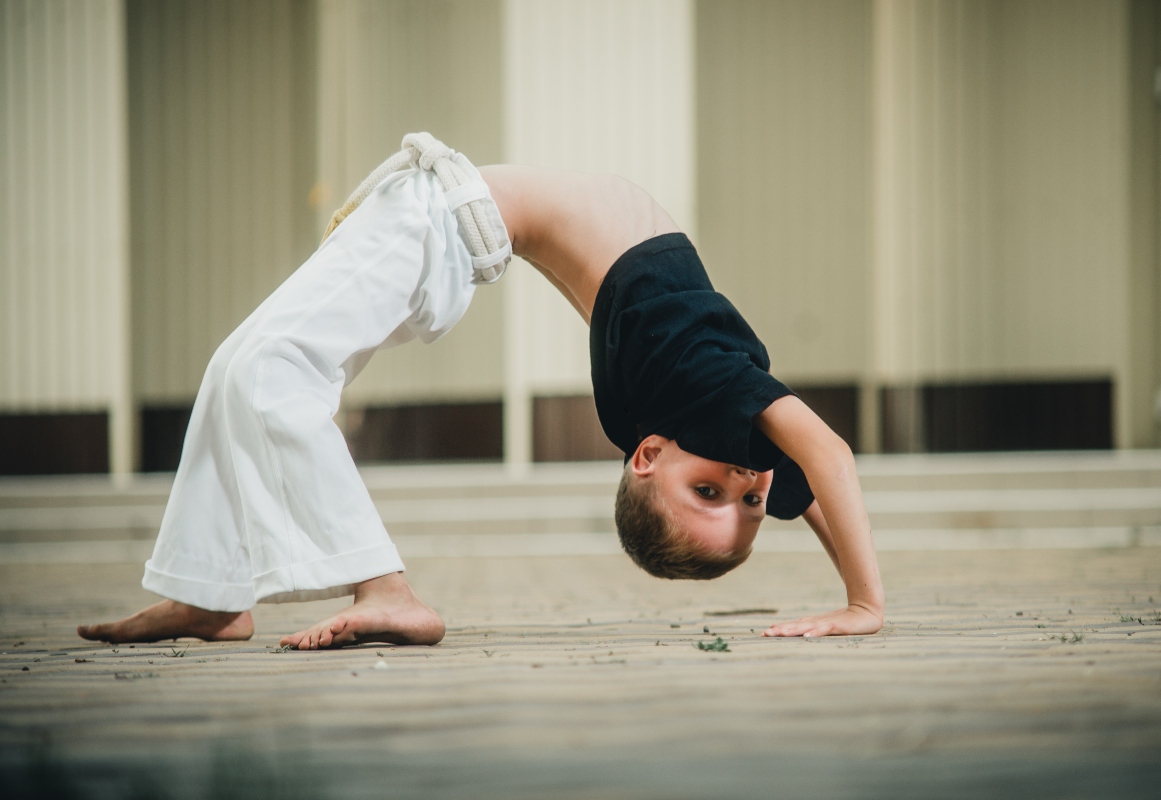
x=706 y=492
x=753 y=500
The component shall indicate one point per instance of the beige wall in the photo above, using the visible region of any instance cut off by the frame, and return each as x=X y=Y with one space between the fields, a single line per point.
x=1001 y=191
x=386 y=69
x=1062 y=207
x=928 y=190
x=63 y=253
x=893 y=191
x=598 y=86
x=252 y=121
x=783 y=171
x=1145 y=255
x=934 y=259
x=221 y=169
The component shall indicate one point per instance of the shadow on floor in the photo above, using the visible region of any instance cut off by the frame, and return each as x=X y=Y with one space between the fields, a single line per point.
x=237 y=770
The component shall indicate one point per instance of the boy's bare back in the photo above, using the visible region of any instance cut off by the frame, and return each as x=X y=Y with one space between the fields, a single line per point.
x=572 y=226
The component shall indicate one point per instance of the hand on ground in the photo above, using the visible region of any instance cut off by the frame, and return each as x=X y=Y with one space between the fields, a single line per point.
x=843 y=622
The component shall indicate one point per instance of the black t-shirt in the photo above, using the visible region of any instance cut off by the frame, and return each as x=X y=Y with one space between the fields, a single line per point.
x=670 y=356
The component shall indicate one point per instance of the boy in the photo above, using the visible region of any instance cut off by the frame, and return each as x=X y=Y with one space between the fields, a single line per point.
x=267 y=504
x=682 y=387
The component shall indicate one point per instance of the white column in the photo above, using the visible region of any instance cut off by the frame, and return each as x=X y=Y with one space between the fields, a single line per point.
x=122 y=408
x=595 y=86
x=517 y=391
x=64 y=261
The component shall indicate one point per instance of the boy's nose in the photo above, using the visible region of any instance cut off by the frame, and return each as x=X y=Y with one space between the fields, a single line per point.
x=747 y=476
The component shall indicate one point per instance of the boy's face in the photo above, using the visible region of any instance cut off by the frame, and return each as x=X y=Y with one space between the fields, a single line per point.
x=719 y=505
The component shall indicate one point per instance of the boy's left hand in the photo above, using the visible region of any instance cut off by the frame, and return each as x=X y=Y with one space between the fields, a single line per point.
x=844 y=622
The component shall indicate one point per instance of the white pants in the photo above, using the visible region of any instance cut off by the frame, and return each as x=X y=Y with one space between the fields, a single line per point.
x=267 y=504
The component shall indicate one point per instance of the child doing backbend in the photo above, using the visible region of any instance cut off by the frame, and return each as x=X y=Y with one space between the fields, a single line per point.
x=267 y=505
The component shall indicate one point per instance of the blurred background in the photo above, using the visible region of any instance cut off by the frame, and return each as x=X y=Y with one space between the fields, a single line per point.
x=941 y=216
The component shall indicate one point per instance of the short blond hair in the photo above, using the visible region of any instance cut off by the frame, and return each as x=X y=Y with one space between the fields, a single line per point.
x=656 y=543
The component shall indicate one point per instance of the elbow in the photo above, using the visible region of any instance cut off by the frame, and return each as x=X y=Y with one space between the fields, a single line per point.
x=840 y=459
x=828 y=461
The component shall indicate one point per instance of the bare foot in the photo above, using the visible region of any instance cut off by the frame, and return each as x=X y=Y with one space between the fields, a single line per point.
x=170 y=619
x=385 y=610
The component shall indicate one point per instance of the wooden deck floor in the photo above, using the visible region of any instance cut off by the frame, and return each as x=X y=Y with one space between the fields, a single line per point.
x=999 y=673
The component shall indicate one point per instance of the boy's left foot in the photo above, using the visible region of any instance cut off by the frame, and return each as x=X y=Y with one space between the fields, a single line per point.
x=170 y=619
x=385 y=610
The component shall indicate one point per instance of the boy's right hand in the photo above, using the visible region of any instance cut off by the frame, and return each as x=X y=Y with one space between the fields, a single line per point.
x=852 y=620
x=840 y=518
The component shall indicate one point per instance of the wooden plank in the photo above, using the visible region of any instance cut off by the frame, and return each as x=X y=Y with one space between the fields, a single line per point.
x=551 y=659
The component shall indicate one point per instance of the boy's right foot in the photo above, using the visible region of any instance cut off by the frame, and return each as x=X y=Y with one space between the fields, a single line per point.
x=385 y=610
x=170 y=619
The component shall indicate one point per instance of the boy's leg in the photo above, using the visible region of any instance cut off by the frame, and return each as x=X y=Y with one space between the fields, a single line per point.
x=289 y=506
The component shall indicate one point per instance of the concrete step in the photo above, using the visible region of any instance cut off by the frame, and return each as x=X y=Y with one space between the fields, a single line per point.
x=1118 y=491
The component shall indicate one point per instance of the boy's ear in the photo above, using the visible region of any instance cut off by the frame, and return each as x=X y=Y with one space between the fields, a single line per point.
x=644 y=459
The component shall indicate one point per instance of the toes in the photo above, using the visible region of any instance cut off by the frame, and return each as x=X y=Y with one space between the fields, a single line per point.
x=331 y=633
x=93 y=633
x=297 y=640
x=335 y=632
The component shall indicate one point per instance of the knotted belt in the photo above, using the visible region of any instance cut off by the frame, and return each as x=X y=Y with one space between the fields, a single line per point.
x=466 y=193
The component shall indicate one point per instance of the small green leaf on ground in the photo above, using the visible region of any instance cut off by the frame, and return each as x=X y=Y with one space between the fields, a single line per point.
x=717 y=646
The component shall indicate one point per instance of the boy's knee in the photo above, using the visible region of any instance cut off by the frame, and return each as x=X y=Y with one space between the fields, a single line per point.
x=239 y=375
x=216 y=375
x=276 y=384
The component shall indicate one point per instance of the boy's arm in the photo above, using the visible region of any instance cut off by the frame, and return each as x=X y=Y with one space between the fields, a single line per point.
x=830 y=470
x=817 y=523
